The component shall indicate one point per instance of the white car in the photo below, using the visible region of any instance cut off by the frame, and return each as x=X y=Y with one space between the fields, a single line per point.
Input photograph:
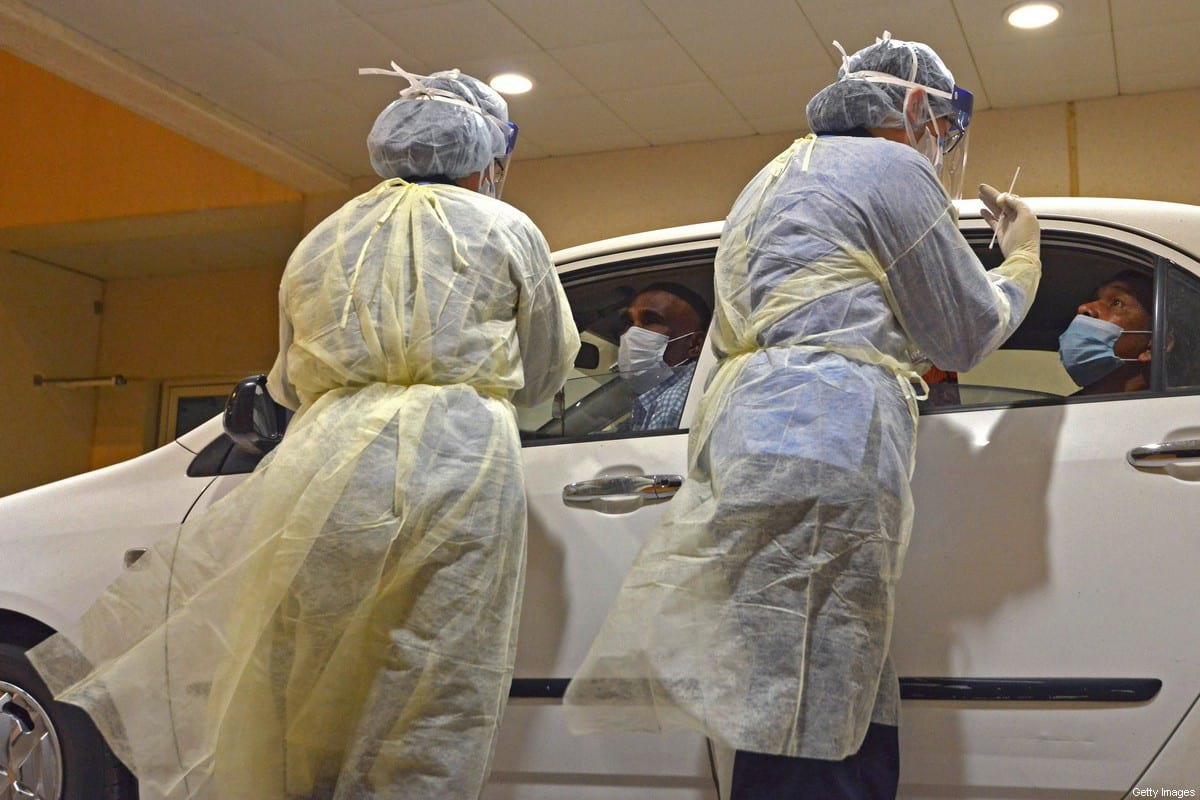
x=1046 y=627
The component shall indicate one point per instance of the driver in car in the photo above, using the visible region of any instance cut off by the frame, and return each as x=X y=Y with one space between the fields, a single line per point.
x=1107 y=347
x=663 y=338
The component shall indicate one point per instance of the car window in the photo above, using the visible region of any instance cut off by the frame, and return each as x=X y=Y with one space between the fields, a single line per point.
x=1026 y=370
x=596 y=401
x=1181 y=339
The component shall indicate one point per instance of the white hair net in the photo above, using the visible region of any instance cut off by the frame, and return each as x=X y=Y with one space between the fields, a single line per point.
x=854 y=101
x=446 y=124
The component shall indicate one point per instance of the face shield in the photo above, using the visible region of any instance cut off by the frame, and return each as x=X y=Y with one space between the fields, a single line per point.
x=492 y=181
x=942 y=139
x=952 y=145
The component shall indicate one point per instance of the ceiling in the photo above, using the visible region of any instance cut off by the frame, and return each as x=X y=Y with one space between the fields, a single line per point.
x=273 y=84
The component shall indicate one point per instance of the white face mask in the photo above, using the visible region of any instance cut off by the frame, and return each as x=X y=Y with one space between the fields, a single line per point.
x=920 y=129
x=487 y=181
x=640 y=358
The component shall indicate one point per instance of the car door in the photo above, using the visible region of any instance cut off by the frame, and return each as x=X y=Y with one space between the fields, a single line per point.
x=1043 y=631
x=579 y=551
x=1045 y=625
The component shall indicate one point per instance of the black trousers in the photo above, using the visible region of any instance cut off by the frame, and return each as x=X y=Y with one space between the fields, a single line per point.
x=873 y=773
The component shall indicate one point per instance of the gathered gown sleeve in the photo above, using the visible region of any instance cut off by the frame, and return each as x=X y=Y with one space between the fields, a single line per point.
x=953 y=309
x=546 y=332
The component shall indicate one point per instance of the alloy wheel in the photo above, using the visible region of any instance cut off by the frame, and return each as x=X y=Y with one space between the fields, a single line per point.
x=30 y=758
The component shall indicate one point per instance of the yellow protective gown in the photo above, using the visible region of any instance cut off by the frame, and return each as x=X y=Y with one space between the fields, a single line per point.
x=759 y=612
x=343 y=624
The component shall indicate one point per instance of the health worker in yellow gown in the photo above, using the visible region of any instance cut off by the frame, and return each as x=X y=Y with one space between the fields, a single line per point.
x=343 y=624
x=759 y=612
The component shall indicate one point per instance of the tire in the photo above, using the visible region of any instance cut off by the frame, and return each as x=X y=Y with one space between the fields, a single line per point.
x=51 y=750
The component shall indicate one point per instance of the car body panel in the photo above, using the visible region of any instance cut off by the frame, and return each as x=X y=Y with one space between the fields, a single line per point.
x=87 y=523
x=1032 y=470
x=1175 y=765
x=537 y=758
x=578 y=557
x=1028 y=570
x=1037 y=552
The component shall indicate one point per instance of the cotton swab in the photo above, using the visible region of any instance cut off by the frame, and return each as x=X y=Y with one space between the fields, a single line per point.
x=1011 y=186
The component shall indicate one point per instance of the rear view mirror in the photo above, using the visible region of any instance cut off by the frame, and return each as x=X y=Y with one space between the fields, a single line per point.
x=588 y=356
x=253 y=420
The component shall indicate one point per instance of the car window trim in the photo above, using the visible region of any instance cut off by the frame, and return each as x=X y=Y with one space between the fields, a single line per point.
x=1158 y=338
x=602 y=437
x=1063 y=401
x=951 y=689
x=1083 y=229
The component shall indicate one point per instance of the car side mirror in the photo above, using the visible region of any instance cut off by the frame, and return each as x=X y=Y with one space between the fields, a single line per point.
x=253 y=420
x=588 y=356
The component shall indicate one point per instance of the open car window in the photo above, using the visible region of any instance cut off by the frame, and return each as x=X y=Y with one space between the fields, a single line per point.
x=596 y=402
x=1027 y=370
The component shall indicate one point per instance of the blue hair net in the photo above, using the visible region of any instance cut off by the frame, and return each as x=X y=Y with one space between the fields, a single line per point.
x=446 y=124
x=856 y=101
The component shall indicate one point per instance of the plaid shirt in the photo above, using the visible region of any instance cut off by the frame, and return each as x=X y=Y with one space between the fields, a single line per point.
x=662 y=406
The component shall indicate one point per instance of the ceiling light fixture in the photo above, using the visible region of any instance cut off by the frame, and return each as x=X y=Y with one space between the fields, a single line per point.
x=511 y=83
x=1032 y=15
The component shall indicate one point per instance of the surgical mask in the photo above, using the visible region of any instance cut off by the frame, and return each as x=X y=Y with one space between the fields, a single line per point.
x=1086 y=349
x=920 y=132
x=946 y=153
x=640 y=358
x=487 y=181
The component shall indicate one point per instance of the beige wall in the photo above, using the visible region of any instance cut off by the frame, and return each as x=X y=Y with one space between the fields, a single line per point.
x=580 y=199
x=1140 y=147
x=48 y=325
x=224 y=324
x=1035 y=139
x=69 y=157
x=54 y=133
x=212 y=326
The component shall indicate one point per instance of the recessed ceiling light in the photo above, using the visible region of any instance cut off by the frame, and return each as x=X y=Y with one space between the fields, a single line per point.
x=511 y=83
x=1032 y=15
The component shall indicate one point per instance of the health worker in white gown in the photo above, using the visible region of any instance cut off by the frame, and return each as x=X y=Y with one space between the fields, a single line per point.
x=759 y=612
x=343 y=624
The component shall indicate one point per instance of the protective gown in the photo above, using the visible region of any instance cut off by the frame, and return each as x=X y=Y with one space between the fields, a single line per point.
x=343 y=624
x=759 y=612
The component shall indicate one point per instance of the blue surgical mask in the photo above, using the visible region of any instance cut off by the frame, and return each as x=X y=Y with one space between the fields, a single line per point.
x=1086 y=349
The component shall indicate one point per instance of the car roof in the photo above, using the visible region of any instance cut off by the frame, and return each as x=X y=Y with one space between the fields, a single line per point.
x=1175 y=223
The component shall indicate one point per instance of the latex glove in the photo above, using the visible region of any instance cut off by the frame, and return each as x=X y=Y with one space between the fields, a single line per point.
x=1017 y=229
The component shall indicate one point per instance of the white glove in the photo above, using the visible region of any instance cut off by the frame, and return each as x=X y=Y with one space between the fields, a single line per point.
x=1016 y=227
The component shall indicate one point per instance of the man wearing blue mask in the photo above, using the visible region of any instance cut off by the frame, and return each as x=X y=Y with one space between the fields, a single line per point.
x=1107 y=347
x=666 y=324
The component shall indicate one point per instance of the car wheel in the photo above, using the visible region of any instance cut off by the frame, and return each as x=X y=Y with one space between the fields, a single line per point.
x=50 y=750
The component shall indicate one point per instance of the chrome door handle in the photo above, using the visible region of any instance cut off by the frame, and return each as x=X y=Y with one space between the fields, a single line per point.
x=622 y=488
x=1165 y=454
